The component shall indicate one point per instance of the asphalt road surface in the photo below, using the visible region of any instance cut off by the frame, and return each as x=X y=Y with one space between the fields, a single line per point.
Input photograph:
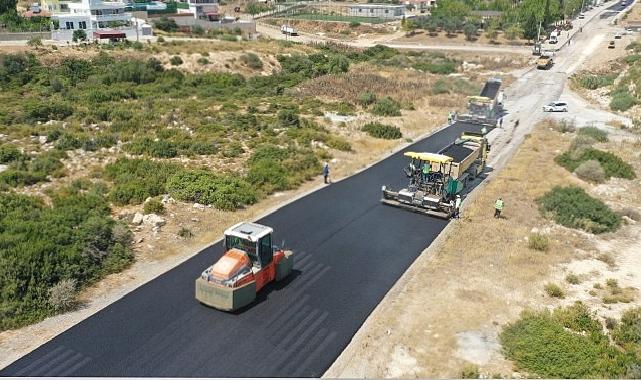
x=350 y=249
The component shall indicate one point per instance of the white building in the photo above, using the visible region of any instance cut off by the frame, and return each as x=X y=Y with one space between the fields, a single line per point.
x=377 y=10
x=204 y=9
x=99 y=19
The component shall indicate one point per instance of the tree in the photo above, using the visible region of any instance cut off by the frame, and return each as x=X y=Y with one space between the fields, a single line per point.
x=166 y=24
x=470 y=31
x=79 y=35
x=449 y=26
x=514 y=32
x=7 y=5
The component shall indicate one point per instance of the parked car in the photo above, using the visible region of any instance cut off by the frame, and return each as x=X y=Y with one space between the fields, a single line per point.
x=556 y=107
x=611 y=45
x=618 y=35
x=581 y=15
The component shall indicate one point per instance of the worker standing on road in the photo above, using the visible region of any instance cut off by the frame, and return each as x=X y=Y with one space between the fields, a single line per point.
x=501 y=122
x=457 y=207
x=498 y=207
x=449 y=118
x=326 y=172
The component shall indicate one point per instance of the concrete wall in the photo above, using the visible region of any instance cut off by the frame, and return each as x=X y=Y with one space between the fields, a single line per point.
x=245 y=26
x=24 y=36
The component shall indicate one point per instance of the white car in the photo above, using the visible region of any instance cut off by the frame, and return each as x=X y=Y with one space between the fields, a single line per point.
x=556 y=107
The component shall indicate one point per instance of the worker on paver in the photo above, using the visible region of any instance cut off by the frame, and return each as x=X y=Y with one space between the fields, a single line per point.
x=457 y=206
x=427 y=169
x=498 y=207
x=326 y=172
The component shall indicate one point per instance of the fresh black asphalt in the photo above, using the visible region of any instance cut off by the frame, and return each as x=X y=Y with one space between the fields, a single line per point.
x=350 y=250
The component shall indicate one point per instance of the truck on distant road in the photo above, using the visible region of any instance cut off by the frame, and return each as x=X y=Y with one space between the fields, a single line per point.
x=286 y=29
x=544 y=62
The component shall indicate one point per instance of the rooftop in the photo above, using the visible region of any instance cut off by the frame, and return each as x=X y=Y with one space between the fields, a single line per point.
x=368 y=6
x=249 y=231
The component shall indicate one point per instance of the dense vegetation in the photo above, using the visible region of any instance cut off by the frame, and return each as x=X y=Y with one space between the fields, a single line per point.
x=382 y=131
x=572 y=207
x=570 y=343
x=73 y=239
x=612 y=164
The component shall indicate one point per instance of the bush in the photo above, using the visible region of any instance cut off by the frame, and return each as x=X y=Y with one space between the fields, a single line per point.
x=288 y=118
x=612 y=165
x=554 y=291
x=555 y=345
x=137 y=179
x=272 y=168
x=367 y=98
x=564 y=126
x=166 y=24
x=622 y=100
x=387 y=107
x=572 y=207
x=252 y=61
x=154 y=206
x=538 y=242
x=223 y=192
x=594 y=81
x=595 y=133
x=79 y=36
x=233 y=149
x=590 y=171
x=203 y=61
x=185 y=233
x=470 y=371
x=382 y=131
x=628 y=332
x=47 y=247
x=580 y=143
x=9 y=153
x=572 y=279
x=62 y=296
x=176 y=60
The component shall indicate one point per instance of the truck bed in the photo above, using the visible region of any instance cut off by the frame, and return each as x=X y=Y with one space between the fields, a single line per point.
x=490 y=89
x=457 y=152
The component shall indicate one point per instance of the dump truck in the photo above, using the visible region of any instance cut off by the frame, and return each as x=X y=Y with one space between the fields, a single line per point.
x=249 y=263
x=436 y=178
x=544 y=62
x=286 y=29
x=487 y=106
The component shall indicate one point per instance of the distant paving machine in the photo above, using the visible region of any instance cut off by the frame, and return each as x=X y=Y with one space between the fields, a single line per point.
x=250 y=262
x=485 y=108
x=436 y=178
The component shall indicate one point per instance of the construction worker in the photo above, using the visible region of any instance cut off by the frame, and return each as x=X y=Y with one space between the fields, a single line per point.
x=449 y=118
x=501 y=122
x=427 y=169
x=457 y=206
x=484 y=130
x=498 y=207
x=326 y=172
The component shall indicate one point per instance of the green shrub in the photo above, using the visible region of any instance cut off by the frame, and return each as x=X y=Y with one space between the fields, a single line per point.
x=225 y=192
x=45 y=111
x=159 y=149
x=288 y=118
x=612 y=165
x=137 y=179
x=252 y=61
x=382 y=131
x=185 y=233
x=233 y=149
x=564 y=126
x=9 y=153
x=538 y=242
x=272 y=168
x=154 y=206
x=595 y=133
x=387 y=107
x=622 y=100
x=354 y=24
x=594 y=81
x=572 y=207
x=553 y=346
x=470 y=371
x=203 y=61
x=628 y=332
x=580 y=143
x=166 y=24
x=176 y=60
x=573 y=279
x=72 y=240
x=367 y=98
x=554 y=291
x=591 y=171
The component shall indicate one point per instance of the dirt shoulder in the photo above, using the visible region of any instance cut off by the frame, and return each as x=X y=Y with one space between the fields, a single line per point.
x=448 y=309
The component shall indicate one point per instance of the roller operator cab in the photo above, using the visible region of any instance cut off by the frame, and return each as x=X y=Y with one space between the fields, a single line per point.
x=249 y=263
